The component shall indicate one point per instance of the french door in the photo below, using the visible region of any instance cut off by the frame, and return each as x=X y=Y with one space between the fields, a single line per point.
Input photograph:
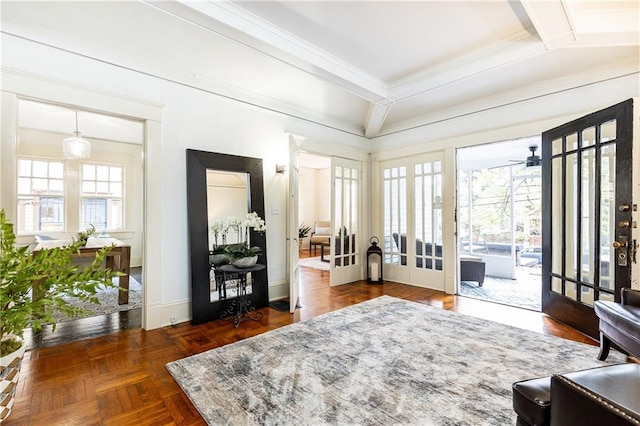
x=345 y=260
x=294 y=224
x=587 y=208
x=412 y=205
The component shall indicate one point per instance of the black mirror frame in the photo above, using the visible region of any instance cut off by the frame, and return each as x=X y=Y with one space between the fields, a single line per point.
x=202 y=309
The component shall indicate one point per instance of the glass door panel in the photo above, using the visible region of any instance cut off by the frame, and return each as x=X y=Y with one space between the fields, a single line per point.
x=587 y=214
x=345 y=258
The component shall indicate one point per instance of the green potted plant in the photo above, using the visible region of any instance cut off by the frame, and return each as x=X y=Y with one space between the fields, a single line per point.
x=32 y=287
x=303 y=232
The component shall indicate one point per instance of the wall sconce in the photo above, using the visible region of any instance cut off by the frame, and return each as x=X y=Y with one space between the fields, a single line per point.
x=281 y=168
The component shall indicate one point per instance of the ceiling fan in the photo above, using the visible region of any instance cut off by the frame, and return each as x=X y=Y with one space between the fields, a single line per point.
x=531 y=161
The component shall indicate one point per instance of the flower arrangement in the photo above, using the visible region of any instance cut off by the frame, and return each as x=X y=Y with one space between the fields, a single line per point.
x=241 y=227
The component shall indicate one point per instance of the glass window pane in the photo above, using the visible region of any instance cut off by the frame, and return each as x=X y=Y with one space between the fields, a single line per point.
x=588 y=137
x=586 y=295
x=608 y=131
x=556 y=214
x=102 y=173
x=88 y=172
x=56 y=185
x=102 y=187
x=115 y=189
x=116 y=174
x=588 y=226
x=437 y=166
x=40 y=185
x=607 y=214
x=556 y=285
x=24 y=186
x=24 y=167
x=40 y=169
x=571 y=211
x=606 y=296
x=570 y=290
x=56 y=170
x=572 y=142
x=556 y=146
x=88 y=187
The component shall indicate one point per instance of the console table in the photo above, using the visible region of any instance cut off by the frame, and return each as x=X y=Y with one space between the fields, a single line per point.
x=118 y=259
x=240 y=309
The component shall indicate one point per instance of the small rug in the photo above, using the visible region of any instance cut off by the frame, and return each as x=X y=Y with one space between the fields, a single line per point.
x=108 y=302
x=280 y=305
x=314 y=262
x=384 y=361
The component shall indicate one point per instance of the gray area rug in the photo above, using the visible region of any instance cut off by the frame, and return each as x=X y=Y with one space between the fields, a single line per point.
x=314 y=262
x=384 y=361
x=108 y=302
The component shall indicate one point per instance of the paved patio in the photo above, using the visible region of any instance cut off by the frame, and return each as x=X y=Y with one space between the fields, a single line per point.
x=523 y=292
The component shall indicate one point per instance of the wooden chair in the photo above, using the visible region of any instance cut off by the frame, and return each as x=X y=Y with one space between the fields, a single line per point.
x=320 y=234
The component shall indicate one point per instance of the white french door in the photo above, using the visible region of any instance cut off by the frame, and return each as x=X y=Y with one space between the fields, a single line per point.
x=412 y=205
x=345 y=261
x=294 y=206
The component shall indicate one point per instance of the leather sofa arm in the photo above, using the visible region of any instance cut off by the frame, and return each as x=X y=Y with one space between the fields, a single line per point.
x=630 y=297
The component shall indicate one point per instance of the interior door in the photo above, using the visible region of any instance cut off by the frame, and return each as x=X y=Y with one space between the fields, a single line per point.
x=412 y=205
x=587 y=209
x=345 y=262
x=294 y=224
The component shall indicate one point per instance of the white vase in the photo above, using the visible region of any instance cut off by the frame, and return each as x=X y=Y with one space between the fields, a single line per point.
x=245 y=262
x=9 y=372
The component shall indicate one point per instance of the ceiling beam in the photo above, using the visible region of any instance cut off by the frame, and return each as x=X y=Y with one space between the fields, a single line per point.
x=375 y=118
x=288 y=47
x=551 y=21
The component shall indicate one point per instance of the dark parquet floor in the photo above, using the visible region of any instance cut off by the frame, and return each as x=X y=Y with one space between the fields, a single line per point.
x=120 y=378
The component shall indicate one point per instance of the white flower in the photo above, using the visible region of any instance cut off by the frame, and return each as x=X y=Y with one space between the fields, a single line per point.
x=252 y=220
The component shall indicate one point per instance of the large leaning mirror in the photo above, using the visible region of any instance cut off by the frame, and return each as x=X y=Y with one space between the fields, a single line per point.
x=220 y=186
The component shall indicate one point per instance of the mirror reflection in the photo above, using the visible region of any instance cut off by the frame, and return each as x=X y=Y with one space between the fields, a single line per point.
x=227 y=199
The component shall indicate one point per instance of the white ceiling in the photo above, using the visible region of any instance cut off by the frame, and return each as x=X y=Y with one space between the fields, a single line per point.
x=370 y=68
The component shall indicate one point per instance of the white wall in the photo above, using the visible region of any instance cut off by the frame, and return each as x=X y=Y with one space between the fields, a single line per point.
x=315 y=196
x=190 y=118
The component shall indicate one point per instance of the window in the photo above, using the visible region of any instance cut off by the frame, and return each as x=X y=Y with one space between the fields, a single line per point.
x=40 y=195
x=47 y=194
x=102 y=196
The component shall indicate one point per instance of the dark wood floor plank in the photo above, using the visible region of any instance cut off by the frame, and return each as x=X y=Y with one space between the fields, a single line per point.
x=121 y=379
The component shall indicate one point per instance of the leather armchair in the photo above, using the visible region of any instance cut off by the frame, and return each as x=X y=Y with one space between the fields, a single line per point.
x=620 y=323
x=598 y=396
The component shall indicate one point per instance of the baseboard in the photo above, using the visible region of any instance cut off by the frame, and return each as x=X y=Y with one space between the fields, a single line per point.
x=160 y=315
x=278 y=290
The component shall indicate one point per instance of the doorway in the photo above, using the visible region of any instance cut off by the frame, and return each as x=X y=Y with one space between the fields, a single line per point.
x=56 y=196
x=314 y=210
x=499 y=222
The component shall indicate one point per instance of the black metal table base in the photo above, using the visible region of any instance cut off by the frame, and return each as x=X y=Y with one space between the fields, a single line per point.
x=241 y=309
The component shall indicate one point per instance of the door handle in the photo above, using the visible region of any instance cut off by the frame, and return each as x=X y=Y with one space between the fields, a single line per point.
x=622 y=246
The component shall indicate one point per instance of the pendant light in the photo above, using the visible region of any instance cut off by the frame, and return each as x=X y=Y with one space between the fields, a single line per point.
x=74 y=146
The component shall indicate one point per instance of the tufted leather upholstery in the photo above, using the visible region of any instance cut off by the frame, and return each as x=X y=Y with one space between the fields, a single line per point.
x=620 y=323
x=595 y=397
